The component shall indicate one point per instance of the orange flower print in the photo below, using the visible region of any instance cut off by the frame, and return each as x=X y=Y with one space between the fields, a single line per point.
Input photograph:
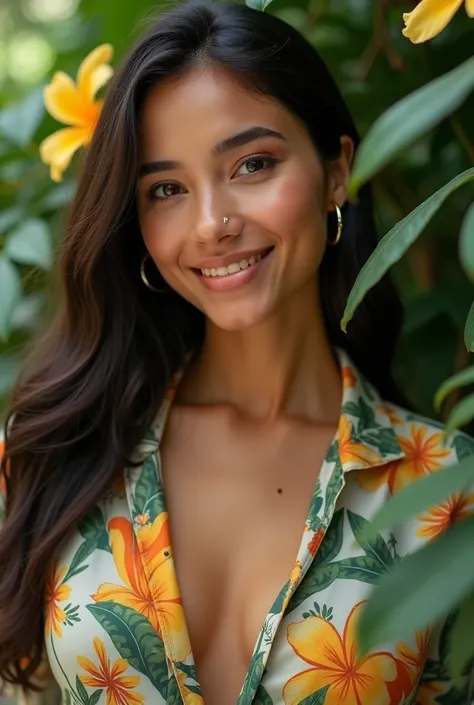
x=335 y=664
x=424 y=453
x=349 y=378
x=452 y=511
x=392 y=414
x=352 y=452
x=315 y=542
x=55 y=593
x=426 y=693
x=118 y=687
x=159 y=601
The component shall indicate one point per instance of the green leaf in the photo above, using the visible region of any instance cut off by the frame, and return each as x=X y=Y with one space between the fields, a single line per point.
x=262 y=697
x=421 y=589
x=374 y=546
x=462 y=413
x=461 y=379
x=366 y=569
x=67 y=697
x=469 y=330
x=10 y=293
x=93 y=527
x=463 y=446
x=81 y=691
x=135 y=639
x=148 y=498
x=258 y=4
x=427 y=492
x=466 y=243
x=82 y=554
x=19 y=122
x=332 y=542
x=30 y=243
x=95 y=697
x=10 y=217
x=409 y=119
x=394 y=245
x=317 y=698
x=314 y=520
x=462 y=643
x=316 y=579
x=252 y=680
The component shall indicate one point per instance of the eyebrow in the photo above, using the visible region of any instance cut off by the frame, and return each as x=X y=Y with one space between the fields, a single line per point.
x=238 y=140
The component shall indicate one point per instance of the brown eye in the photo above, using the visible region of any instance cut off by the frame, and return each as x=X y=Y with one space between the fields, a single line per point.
x=161 y=192
x=255 y=164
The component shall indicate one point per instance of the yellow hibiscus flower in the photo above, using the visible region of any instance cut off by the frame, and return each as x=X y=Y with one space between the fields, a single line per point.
x=335 y=665
x=352 y=452
x=157 y=598
x=56 y=592
x=430 y=17
x=118 y=687
x=74 y=104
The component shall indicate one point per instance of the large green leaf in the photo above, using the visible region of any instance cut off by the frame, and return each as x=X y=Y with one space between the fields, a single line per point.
x=427 y=492
x=316 y=579
x=148 y=496
x=30 y=243
x=135 y=639
x=10 y=292
x=469 y=330
x=409 y=119
x=461 y=379
x=462 y=643
x=421 y=589
x=394 y=245
x=466 y=243
x=252 y=679
x=365 y=569
x=19 y=122
x=374 y=546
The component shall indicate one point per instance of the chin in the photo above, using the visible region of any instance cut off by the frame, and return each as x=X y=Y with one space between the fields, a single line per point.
x=238 y=320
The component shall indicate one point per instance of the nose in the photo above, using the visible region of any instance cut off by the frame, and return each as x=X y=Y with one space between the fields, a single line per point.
x=214 y=222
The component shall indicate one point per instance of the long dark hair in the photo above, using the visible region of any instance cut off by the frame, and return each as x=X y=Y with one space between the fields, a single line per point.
x=97 y=377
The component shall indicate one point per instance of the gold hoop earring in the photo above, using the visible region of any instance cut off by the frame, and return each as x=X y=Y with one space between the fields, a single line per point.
x=145 y=278
x=334 y=242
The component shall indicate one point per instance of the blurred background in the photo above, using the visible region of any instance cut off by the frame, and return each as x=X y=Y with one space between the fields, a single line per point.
x=374 y=65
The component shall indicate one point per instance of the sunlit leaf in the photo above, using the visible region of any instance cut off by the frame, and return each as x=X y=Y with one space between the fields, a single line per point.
x=9 y=366
x=258 y=4
x=9 y=217
x=19 y=122
x=461 y=379
x=10 y=292
x=466 y=243
x=469 y=330
x=410 y=118
x=427 y=492
x=394 y=245
x=462 y=644
x=30 y=243
x=420 y=589
x=462 y=413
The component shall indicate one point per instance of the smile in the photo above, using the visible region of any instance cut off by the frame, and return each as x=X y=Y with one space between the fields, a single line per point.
x=235 y=274
x=235 y=267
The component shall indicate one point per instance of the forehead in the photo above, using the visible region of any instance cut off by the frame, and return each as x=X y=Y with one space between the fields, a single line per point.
x=203 y=106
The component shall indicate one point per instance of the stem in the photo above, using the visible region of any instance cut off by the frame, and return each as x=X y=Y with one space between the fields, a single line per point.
x=75 y=695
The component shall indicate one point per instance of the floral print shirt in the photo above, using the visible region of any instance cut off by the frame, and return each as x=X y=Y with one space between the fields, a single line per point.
x=115 y=629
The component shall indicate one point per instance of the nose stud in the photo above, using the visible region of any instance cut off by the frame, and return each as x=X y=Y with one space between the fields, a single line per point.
x=225 y=219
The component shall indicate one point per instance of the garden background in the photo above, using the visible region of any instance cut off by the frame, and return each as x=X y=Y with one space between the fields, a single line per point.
x=374 y=64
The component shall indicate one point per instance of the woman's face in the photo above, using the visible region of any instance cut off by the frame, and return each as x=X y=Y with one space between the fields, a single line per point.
x=232 y=197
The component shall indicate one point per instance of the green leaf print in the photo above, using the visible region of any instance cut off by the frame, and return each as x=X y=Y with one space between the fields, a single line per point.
x=67 y=697
x=191 y=675
x=81 y=691
x=332 y=541
x=463 y=446
x=135 y=639
x=366 y=416
x=82 y=554
x=262 y=697
x=366 y=569
x=93 y=527
x=317 y=698
x=383 y=439
x=173 y=696
x=252 y=679
x=318 y=577
x=314 y=520
x=376 y=546
x=95 y=697
x=148 y=497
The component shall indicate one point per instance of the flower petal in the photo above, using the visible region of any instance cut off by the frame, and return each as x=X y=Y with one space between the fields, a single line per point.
x=66 y=104
x=126 y=556
x=99 y=648
x=59 y=148
x=305 y=684
x=429 y=18
x=94 y=71
x=91 y=668
x=317 y=642
x=470 y=7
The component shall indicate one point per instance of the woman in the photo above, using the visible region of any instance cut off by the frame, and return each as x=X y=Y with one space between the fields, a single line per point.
x=195 y=444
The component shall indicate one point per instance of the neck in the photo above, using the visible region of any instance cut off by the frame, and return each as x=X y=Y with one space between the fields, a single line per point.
x=283 y=366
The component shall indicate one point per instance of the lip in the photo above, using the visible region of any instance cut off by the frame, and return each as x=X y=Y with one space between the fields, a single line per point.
x=234 y=281
x=215 y=262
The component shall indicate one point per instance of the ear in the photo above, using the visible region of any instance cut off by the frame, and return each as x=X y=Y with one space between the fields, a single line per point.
x=338 y=174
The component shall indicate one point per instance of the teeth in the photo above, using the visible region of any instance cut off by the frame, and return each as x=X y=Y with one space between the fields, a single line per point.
x=232 y=268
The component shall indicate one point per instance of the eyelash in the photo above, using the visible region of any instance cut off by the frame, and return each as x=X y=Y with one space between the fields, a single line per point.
x=270 y=161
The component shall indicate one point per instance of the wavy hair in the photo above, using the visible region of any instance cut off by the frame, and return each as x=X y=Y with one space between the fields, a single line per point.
x=97 y=377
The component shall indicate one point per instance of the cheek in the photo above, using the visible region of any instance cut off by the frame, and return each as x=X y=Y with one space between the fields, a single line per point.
x=161 y=238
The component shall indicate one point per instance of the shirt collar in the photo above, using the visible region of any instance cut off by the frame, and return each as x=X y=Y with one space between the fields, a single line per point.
x=366 y=437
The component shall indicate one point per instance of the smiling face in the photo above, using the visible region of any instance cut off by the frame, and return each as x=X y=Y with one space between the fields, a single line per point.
x=232 y=197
